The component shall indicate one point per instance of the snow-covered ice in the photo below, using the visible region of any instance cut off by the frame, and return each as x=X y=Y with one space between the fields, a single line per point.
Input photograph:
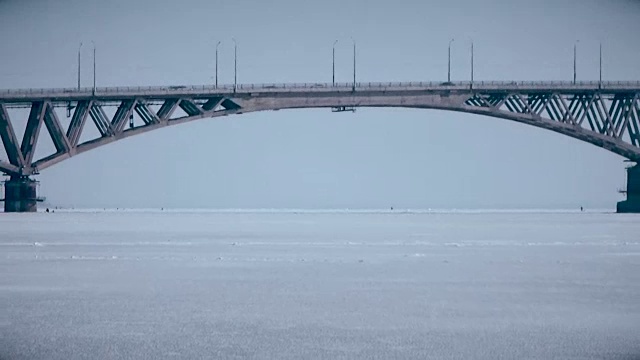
x=319 y=285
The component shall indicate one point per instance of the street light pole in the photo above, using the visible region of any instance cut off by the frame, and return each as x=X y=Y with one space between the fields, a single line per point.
x=235 y=65
x=575 y=52
x=449 y=63
x=471 y=62
x=217 y=45
x=333 y=78
x=354 y=65
x=94 y=67
x=79 y=48
x=600 y=64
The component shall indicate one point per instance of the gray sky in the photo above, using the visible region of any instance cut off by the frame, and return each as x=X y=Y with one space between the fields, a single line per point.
x=374 y=158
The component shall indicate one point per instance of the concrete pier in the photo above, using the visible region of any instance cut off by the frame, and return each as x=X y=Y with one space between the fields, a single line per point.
x=632 y=204
x=20 y=194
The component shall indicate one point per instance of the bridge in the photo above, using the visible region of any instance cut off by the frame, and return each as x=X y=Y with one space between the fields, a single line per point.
x=605 y=114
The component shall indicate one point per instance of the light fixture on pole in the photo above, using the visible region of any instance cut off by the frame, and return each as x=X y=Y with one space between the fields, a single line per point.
x=449 y=62
x=472 y=63
x=354 y=65
x=235 y=65
x=217 y=45
x=575 y=53
x=601 y=64
x=94 y=67
x=333 y=78
x=79 y=48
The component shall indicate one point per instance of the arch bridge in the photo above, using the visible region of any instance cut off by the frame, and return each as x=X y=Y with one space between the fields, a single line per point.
x=605 y=114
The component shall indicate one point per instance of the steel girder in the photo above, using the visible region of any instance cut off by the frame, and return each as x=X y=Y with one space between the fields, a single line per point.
x=608 y=119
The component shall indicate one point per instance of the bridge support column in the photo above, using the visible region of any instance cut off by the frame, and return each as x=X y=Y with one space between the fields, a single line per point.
x=632 y=204
x=20 y=194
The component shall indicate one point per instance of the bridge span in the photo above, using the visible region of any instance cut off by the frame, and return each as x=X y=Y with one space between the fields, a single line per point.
x=605 y=114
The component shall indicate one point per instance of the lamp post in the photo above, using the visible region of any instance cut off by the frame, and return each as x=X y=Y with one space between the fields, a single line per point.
x=354 y=65
x=575 y=53
x=333 y=77
x=472 y=63
x=600 y=64
x=235 y=65
x=79 y=48
x=94 y=67
x=217 y=45
x=449 y=62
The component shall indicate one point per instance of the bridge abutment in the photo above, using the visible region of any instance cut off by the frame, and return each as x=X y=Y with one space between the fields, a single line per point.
x=20 y=194
x=632 y=204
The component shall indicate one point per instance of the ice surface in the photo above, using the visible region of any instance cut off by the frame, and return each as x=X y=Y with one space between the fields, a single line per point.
x=307 y=285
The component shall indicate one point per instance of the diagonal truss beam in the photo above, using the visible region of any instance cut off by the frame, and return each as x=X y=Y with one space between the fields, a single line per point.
x=567 y=116
x=190 y=107
x=78 y=121
x=122 y=115
x=213 y=103
x=9 y=139
x=34 y=123
x=634 y=123
x=60 y=140
x=100 y=119
x=603 y=116
x=147 y=116
x=167 y=109
x=229 y=104
x=586 y=104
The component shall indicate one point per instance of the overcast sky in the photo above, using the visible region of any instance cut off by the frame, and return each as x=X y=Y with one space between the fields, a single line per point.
x=375 y=158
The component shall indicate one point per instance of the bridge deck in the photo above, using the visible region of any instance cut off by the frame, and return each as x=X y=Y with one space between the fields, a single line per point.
x=63 y=94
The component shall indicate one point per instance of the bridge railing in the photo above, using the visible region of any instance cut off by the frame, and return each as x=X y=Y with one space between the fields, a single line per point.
x=317 y=87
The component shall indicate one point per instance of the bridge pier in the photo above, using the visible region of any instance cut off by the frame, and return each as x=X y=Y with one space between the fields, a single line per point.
x=632 y=204
x=20 y=194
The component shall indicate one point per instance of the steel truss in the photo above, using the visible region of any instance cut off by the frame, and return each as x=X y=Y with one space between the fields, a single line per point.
x=615 y=116
x=608 y=117
x=67 y=142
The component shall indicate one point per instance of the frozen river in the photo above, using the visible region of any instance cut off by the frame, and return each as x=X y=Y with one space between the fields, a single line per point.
x=262 y=285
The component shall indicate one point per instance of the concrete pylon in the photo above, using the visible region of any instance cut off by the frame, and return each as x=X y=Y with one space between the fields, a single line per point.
x=632 y=204
x=20 y=194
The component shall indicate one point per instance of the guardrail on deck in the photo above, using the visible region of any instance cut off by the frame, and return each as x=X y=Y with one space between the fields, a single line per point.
x=321 y=87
